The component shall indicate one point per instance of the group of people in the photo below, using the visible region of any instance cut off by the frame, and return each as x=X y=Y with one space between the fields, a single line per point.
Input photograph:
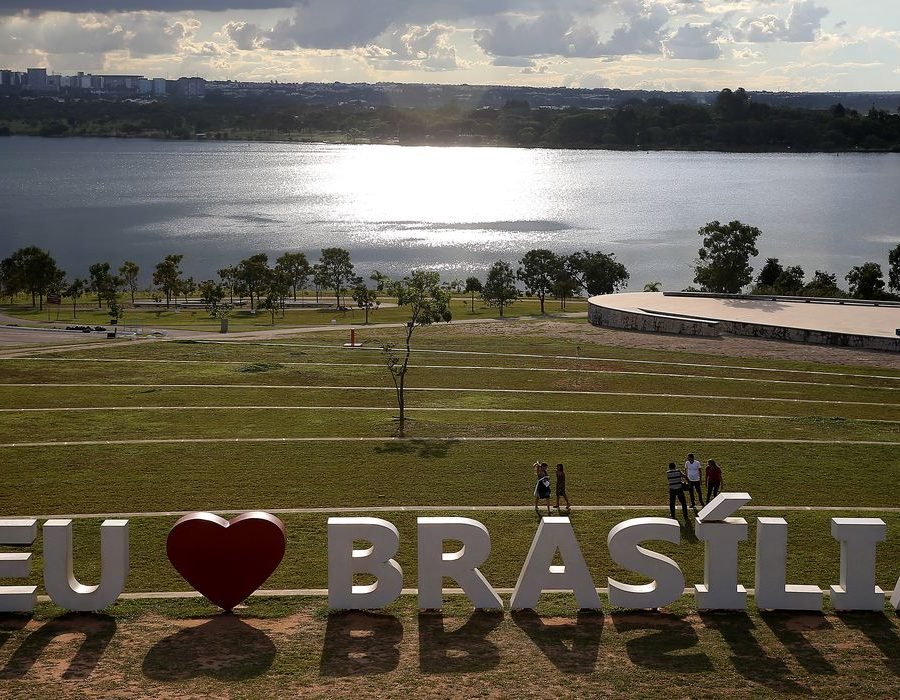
x=692 y=478
x=542 y=489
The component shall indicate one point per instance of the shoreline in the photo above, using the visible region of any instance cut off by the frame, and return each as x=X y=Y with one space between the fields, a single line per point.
x=443 y=144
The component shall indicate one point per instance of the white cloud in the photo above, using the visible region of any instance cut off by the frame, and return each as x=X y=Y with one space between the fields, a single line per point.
x=694 y=41
x=803 y=24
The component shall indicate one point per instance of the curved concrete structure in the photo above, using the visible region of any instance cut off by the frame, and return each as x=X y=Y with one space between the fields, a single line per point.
x=847 y=323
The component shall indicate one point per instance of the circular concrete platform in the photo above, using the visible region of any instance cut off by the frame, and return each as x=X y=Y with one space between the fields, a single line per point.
x=848 y=323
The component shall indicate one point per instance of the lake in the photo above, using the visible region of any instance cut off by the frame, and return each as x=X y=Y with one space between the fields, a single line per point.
x=455 y=210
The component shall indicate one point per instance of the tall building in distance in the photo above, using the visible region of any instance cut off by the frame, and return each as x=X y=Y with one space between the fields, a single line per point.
x=37 y=79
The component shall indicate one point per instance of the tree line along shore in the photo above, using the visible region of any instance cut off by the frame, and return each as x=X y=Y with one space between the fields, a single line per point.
x=732 y=123
x=722 y=266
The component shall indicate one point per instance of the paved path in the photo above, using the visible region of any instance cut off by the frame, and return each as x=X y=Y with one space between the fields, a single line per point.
x=323 y=593
x=201 y=441
x=490 y=368
x=564 y=392
x=442 y=409
x=445 y=509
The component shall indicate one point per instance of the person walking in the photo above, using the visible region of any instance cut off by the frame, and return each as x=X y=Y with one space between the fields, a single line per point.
x=542 y=487
x=561 y=487
x=694 y=470
x=713 y=480
x=676 y=490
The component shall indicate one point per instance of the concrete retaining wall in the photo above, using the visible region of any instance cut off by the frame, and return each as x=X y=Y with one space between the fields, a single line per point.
x=637 y=320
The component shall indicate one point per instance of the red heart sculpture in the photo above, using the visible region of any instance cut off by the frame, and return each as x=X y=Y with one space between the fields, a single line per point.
x=226 y=560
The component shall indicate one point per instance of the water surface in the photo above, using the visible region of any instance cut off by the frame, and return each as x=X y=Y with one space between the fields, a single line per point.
x=455 y=210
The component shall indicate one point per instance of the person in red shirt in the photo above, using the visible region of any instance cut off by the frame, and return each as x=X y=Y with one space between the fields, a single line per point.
x=713 y=480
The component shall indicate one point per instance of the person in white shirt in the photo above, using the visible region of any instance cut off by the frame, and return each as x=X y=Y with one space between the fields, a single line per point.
x=694 y=470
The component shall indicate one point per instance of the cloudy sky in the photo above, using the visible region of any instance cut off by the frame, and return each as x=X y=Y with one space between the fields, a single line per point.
x=665 y=44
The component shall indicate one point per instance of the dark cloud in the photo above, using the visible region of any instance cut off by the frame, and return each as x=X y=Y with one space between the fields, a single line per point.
x=560 y=34
x=11 y=7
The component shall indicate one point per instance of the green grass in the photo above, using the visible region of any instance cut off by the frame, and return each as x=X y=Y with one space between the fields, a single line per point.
x=102 y=479
x=243 y=319
x=280 y=646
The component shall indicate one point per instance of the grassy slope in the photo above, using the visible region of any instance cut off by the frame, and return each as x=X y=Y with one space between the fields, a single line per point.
x=289 y=645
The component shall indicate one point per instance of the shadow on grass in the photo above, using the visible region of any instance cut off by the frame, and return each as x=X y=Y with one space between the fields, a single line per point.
x=98 y=630
x=426 y=449
x=463 y=650
x=749 y=659
x=668 y=634
x=881 y=631
x=790 y=627
x=225 y=648
x=571 y=647
x=360 y=644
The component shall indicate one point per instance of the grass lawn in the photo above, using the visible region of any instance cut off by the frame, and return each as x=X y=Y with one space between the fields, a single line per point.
x=243 y=318
x=281 y=645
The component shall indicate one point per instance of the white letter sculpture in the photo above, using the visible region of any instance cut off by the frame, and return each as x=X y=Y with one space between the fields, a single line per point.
x=17 y=565
x=895 y=597
x=59 y=579
x=668 y=581
x=344 y=562
x=538 y=575
x=720 y=589
x=858 y=537
x=434 y=563
x=772 y=593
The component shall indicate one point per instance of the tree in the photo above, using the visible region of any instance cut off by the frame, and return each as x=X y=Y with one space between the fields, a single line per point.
x=428 y=304
x=228 y=275
x=790 y=281
x=539 y=269
x=337 y=270
x=101 y=281
x=381 y=280
x=473 y=287
x=566 y=283
x=500 y=286
x=73 y=291
x=211 y=294
x=654 y=286
x=823 y=284
x=167 y=276
x=319 y=279
x=894 y=269
x=129 y=272
x=769 y=273
x=866 y=281
x=297 y=269
x=115 y=311
x=187 y=287
x=271 y=304
x=598 y=273
x=253 y=272
x=32 y=270
x=365 y=298
x=724 y=260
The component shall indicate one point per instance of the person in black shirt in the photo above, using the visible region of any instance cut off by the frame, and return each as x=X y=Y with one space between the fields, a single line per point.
x=676 y=479
x=561 y=487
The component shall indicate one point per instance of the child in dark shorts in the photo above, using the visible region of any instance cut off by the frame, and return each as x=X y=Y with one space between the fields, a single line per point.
x=561 y=486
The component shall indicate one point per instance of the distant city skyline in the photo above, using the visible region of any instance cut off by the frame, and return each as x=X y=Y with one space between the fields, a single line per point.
x=799 y=45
